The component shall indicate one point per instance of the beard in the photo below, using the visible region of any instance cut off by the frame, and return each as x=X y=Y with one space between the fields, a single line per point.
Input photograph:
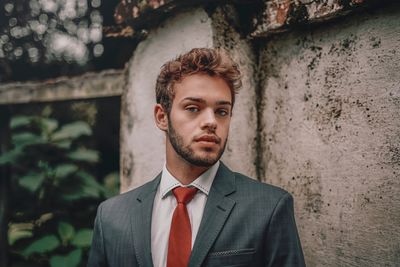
x=187 y=153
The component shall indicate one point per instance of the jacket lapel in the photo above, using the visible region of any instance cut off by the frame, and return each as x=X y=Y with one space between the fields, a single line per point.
x=141 y=223
x=216 y=212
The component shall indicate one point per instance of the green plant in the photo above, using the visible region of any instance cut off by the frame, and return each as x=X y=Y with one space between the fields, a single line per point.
x=54 y=192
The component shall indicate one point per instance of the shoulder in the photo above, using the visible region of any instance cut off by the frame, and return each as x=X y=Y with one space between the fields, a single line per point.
x=259 y=191
x=257 y=186
x=257 y=200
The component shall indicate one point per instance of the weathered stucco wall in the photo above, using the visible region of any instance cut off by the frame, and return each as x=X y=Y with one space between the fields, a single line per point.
x=331 y=135
x=142 y=144
x=143 y=147
x=240 y=153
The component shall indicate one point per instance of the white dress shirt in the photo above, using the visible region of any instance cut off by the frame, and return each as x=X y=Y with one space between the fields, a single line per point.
x=164 y=206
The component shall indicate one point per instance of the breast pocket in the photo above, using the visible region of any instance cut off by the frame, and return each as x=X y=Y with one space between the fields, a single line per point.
x=230 y=258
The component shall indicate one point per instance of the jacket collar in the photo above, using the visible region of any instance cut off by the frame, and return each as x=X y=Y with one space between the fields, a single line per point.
x=216 y=212
x=141 y=222
x=203 y=182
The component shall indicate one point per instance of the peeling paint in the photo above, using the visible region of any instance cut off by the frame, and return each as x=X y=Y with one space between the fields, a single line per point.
x=282 y=15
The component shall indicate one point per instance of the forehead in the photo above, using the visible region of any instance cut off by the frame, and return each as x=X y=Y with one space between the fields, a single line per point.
x=209 y=88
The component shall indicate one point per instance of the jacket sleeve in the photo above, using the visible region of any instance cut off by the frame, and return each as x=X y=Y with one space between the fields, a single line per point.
x=282 y=242
x=97 y=257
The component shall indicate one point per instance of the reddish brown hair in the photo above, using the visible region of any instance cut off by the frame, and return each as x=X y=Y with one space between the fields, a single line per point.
x=213 y=62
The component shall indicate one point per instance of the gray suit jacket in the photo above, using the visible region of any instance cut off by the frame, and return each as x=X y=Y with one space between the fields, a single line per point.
x=245 y=223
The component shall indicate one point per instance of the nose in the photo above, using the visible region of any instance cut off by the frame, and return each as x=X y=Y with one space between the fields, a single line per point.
x=208 y=120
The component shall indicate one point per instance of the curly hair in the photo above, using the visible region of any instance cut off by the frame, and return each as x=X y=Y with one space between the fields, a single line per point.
x=213 y=62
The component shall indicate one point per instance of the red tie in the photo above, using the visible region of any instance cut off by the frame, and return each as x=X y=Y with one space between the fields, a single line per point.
x=180 y=235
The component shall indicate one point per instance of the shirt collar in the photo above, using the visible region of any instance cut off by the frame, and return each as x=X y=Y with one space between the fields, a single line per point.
x=203 y=182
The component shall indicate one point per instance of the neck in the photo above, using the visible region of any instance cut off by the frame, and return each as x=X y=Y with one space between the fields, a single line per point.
x=185 y=174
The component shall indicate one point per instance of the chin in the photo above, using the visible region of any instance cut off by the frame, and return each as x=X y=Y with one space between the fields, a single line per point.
x=208 y=159
x=207 y=154
x=201 y=162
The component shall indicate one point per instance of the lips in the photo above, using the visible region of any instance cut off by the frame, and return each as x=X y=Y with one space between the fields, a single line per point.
x=209 y=138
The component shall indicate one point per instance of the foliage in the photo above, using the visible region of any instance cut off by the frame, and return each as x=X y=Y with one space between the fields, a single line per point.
x=55 y=191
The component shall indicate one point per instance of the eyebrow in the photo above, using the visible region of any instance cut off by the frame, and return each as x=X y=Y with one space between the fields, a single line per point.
x=223 y=102
x=201 y=100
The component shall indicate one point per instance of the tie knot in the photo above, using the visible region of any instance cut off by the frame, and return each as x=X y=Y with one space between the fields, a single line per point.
x=184 y=194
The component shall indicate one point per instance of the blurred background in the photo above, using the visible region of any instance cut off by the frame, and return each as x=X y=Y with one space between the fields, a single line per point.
x=41 y=39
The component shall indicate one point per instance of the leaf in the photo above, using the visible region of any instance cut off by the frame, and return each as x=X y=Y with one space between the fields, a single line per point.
x=72 y=131
x=64 y=144
x=48 y=125
x=11 y=156
x=32 y=181
x=44 y=218
x=45 y=244
x=63 y=170
x=88 y=179
x=46 y=112
x=26 y=138
x=90 y=187
x=87 y=155
x=66 y=232
x=87 y=188
x=17 y=231
x=83 y=238
x=19 y=121
x=70 y=260
x=15 y=236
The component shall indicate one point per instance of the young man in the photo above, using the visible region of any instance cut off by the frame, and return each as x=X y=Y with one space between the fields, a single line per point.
x=197 y=212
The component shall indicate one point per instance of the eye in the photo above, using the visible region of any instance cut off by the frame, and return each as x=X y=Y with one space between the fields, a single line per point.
x=192 y=109
x=222 y=112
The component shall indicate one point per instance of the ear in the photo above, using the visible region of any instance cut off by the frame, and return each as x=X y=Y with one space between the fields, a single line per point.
x=161 y=117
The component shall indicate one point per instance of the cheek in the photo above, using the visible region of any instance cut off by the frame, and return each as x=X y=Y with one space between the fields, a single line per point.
x=185 y=128
x=224 y=129
x=179 y=121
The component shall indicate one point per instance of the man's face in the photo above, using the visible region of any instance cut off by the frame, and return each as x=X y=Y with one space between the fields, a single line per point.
x=198 y=123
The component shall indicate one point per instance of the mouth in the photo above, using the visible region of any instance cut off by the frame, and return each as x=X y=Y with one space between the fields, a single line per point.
x=208 y=139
